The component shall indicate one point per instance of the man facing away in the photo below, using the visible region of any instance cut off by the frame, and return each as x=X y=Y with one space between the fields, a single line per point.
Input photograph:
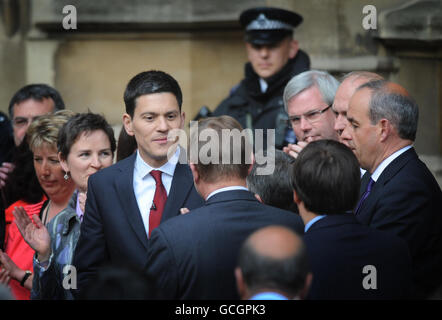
x=274 y=57
x=193 y=256
x=128 y=200
x=273 y=265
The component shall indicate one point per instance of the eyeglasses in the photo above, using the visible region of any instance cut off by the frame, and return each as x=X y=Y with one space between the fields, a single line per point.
x=311 y=116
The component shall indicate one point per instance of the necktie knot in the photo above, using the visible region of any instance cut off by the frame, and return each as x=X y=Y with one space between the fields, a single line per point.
x=156 y=174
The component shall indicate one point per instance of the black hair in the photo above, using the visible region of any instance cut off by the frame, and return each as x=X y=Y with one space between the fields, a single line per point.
x=326 y=176
x=36 y=92
x=274 y=189
x=149 y=82
x=83 y=122
x=126 y=145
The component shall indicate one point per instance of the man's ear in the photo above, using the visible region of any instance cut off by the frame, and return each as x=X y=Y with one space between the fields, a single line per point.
x=127 y=123
x=183 y=120
x=296 y=198
x=252 y=160
x=385 y=129
x=194 y=172
x=294 y=48
x=240 y=285
x=304 y=291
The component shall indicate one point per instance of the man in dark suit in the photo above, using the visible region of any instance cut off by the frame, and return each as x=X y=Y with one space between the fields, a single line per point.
x=398 y=193
x=193 y=256
x=128 y=200
x=349 y=260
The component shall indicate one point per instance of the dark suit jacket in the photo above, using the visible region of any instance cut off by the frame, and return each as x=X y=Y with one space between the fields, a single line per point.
x=407 y=201
x=193 y=256
x=112 y=230
x=339 y=248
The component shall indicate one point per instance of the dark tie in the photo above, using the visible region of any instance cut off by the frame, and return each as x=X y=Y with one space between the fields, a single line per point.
x=159 y=201
x=365 y=195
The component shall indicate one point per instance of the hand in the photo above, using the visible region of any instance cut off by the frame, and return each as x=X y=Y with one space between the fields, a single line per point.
x=5 y=169
x=184 y=210
x=11 y=268
x=82 y=200
x=293 y=150
x=36 y=235
x=4 y=277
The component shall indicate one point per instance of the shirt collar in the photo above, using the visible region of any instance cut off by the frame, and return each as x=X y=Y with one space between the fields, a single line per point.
x=311 y=222
x=381 y=167
x=78 y=210
x=226 y=189
x=263 y=84
x=142 y=169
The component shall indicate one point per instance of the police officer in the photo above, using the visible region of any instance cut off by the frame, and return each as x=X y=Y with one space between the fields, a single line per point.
x=274 y=58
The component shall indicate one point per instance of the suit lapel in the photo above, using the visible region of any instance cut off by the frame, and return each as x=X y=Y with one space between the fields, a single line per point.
x=366 y=211
x=182 y=184
x=125 y=192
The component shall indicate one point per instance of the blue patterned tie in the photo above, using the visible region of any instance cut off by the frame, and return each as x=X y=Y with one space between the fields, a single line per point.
x=365 y=195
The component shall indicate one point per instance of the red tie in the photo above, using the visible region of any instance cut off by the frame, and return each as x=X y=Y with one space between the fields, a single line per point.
x=159 y=201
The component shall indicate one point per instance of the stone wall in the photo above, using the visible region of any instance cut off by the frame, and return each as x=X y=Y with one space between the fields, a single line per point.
x=200 y=43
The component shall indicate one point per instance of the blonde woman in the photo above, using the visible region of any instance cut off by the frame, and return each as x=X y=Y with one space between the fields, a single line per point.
x=42 y=136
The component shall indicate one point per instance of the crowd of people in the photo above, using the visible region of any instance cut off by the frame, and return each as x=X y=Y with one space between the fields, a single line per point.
x=348 y=212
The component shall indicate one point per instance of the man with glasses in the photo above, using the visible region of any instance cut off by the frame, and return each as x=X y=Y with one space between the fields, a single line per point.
x=308 y=98
x=27 y=103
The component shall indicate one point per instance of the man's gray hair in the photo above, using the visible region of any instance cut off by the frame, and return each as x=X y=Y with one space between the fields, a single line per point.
x=324 y=81
x=401 y=110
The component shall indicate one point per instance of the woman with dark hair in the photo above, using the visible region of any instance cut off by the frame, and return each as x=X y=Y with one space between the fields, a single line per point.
x=86 y=144
x=27 y=195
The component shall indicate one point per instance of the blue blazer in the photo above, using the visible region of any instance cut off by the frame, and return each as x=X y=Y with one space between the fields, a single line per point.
x=193 y=256
x=112 y=231
x=339 y=248
x=407 y=201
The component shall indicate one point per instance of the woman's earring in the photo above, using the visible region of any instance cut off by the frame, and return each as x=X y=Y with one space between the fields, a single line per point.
x=66 y=176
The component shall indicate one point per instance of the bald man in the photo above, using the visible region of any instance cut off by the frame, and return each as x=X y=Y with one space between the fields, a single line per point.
x=398 y=193
x=273 y=265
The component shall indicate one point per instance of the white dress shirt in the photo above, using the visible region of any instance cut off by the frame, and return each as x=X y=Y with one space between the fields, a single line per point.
x=226 y=189
x=144 y=183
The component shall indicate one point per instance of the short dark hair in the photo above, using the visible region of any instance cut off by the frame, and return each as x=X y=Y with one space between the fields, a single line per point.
x=36 y=92
x=326 y=176
x=287 y=274
x=237 y=148
x=274 y=189
x=82 y=122
x=150 y=82
x=401 y=110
